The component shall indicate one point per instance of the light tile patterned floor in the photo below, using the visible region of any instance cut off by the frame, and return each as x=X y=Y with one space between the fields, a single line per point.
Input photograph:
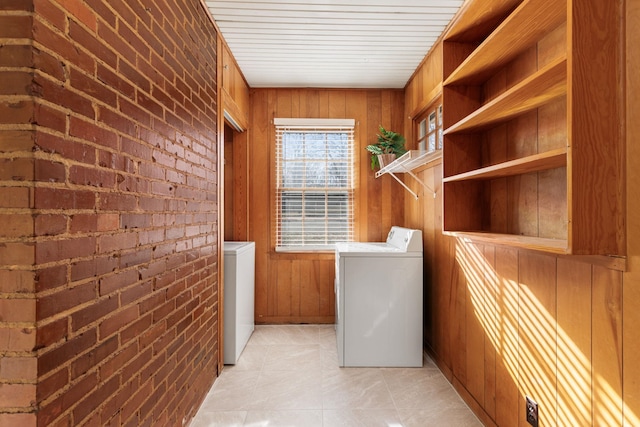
x=288 y=376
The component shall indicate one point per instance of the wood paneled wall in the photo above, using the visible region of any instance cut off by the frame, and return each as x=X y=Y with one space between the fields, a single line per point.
x=503 y=323
x=234 y=89
x=425 y=85
x=298 y=288
x=631 y=278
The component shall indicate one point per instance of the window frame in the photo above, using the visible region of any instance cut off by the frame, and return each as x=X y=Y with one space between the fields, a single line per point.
x=422 y=141
x=306 y=125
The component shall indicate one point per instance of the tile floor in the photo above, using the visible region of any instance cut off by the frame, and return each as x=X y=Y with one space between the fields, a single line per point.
x=289 y=376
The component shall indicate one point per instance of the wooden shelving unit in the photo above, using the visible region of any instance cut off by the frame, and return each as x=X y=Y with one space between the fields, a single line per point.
x=532 y=147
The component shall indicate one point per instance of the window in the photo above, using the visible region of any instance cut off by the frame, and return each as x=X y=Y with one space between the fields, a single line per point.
x=314 y=183
x=429 y=129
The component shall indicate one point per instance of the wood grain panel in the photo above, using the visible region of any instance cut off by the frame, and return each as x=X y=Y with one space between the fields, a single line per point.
x=552 y=126
x=553 y=45
x=442 y=273
x=377 y=189
x=286 y=281
x=337 y=106
x=552 y=198
x=356 y=106
x=432 y=76
x=418 y=213
x=259 y=182
x=309 y=288
x=522 y=190
x=522 y=136
x=234 y=88
x=537 y=336
x=295 y=287
x=474 y=268
x=272 y=293
x=415 y=90
x=490 y=325
x=607 y=353
x=393 y=198
x=631 y=289
x=453 y=55
x=424 y=85
x=240 y=186
x=459 y=197
x=458 y=332
x=228 y=184
x=574 y=343
x=522 y=198
x=522 y=66
x=506 y=342
x=326 y=303
x=596 y=186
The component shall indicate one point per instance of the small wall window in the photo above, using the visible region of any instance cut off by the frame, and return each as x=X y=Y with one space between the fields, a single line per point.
x=314 y=183
x=429 y=129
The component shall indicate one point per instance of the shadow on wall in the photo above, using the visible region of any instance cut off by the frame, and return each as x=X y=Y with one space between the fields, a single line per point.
x=574 y=374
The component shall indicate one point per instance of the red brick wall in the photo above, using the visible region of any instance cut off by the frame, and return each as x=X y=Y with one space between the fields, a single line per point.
x=110 y=245
x=18 y=362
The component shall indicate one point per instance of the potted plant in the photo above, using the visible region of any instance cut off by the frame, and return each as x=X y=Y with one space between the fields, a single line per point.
x=390 y=145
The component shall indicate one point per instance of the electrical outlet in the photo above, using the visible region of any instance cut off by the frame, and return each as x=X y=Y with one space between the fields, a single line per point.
x=532 y=411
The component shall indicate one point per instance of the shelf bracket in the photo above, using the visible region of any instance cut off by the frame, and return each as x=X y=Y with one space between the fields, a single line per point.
x=404 y=185
x=405 y=164
x=422 y=183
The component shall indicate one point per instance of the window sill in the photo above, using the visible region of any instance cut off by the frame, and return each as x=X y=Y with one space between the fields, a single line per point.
x=323 y=249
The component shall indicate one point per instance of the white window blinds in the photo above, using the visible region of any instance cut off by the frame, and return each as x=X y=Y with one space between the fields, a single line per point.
x=314 y=187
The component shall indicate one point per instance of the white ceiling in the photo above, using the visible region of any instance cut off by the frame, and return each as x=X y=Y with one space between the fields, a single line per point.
x=331 y=43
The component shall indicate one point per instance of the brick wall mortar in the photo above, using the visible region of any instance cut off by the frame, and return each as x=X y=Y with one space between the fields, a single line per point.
x=18 y=373
x=122 y=196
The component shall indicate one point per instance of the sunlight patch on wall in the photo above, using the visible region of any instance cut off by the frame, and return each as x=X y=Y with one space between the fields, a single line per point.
x=541 y=357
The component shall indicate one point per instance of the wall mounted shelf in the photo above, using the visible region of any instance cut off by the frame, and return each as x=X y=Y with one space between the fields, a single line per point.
x=535 y=163
x=532 y=141
x=544 y=86
x=407 y=163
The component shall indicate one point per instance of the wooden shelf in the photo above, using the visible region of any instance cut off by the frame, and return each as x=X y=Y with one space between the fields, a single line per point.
x=530 y=21
x=538 y=89
x=475 y=19
x=538 y=162
x=558 y=246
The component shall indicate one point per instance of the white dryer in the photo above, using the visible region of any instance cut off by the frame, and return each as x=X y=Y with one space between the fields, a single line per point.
x=378 y=291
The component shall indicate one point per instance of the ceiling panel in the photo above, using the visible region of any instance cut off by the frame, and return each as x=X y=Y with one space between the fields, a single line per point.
x=331 y=43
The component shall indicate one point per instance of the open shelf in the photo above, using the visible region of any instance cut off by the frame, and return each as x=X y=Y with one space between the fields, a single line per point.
x=549 y=83
x=406 y=163
x=530 y=21
x=558 y=246
x=538 y=162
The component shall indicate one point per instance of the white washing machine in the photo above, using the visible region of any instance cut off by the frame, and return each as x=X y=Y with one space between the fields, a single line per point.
x=378 y=291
